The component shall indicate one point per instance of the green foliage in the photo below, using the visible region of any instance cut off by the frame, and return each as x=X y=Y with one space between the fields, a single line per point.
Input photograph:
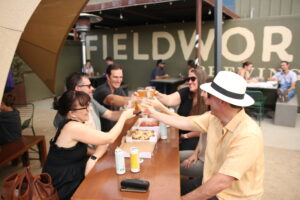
x=18 y=67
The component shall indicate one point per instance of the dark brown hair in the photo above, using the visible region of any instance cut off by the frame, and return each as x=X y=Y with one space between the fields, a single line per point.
x=200 y=107
x=113 y=67
x=74 y=79
x=246 y=63
x=286 y=62
x=68 y=101
x=191 y=64
x=8 y=100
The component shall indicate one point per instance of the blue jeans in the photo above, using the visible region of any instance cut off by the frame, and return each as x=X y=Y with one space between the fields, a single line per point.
x=286 y=85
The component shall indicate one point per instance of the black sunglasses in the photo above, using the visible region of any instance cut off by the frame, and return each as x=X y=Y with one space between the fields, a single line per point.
x=89 y=86
x=191 y=79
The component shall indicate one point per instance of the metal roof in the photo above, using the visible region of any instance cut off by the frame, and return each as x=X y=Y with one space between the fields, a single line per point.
x=128 y=13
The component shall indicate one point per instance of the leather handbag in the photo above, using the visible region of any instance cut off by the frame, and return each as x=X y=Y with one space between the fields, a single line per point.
x=27 y=187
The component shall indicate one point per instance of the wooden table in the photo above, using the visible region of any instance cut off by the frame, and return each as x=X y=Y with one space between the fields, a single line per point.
x=162 y=171
x=19 y=148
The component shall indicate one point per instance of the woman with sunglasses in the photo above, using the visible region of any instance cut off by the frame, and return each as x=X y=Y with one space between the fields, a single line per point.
x=68 y=159
x=190 y=103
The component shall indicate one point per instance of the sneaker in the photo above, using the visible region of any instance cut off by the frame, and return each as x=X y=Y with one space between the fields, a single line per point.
x=285 y=95
x=281 y=98
x=281 y=95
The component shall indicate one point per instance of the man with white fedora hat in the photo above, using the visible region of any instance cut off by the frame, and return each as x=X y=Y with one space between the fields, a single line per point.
x=234 y=157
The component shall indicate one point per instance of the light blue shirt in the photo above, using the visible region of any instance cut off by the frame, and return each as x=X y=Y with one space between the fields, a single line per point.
x=285 y=80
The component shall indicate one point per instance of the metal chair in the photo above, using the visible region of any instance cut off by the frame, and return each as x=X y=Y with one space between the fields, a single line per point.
x=26 y=114
x=259 y=104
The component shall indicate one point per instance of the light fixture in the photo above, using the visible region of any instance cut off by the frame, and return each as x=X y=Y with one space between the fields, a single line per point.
x=171 y=3
x=100 y=12
x=209 y=12
x=145 y=6
x=83 y=26
x=121 y=15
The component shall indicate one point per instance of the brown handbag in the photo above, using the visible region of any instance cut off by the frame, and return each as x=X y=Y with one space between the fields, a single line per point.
x=27 y=187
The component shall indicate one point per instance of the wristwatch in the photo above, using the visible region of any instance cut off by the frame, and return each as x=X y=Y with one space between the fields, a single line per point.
x=93 y=157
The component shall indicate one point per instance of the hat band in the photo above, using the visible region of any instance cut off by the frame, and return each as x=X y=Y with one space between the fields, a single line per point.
x=226 y=92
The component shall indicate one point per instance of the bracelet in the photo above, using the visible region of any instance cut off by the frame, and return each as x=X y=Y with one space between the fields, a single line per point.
x=93 y=157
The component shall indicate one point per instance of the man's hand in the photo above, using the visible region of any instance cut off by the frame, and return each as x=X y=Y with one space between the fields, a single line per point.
x=192 y=159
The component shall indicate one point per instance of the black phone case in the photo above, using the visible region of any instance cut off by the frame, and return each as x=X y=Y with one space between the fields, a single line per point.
x=135 y=184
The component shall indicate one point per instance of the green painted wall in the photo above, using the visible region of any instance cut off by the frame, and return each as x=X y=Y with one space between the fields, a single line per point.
x=263 y=41
x=70 y=60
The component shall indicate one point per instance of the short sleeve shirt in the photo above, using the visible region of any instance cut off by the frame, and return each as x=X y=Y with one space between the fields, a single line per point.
x=286 y=79
x=235 y=150
x=100 y=94
x=157 y=71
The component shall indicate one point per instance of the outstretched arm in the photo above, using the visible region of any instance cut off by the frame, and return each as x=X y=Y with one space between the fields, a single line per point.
x=116 y=100
x=184 y=123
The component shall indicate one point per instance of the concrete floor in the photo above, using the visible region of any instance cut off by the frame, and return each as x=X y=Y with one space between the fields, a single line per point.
x=282 y=153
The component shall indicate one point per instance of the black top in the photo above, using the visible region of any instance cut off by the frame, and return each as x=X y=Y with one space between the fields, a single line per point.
x=185 y=107
x=186 y=102
x=10 y=126
x=100 y=94
x=66 y=166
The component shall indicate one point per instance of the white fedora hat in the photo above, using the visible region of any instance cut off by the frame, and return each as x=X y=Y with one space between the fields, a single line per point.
x=229 y=87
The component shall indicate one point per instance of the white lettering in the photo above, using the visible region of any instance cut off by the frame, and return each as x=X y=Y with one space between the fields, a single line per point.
x=279 y=48
x=119 y=47
x=136 y=54
x=90 y=47
x=250 y=44
x=229 y=68
x=164 y=35
x=104 y=46
x=211 y=71
x=185 y=47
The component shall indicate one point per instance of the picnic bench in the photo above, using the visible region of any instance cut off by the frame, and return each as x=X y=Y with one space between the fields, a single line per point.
x=14 y=150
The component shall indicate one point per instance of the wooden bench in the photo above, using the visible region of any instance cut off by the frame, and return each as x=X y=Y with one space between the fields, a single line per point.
x=286 y=112
x=14 y=150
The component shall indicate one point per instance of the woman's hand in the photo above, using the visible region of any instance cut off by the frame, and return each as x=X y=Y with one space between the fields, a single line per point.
x=192 y=159
x=155 y=103
x=128 y=113
x=148 y=110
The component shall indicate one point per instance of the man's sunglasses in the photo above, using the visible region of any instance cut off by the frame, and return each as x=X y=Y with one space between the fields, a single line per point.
x=89 y=86
x=191 y=79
